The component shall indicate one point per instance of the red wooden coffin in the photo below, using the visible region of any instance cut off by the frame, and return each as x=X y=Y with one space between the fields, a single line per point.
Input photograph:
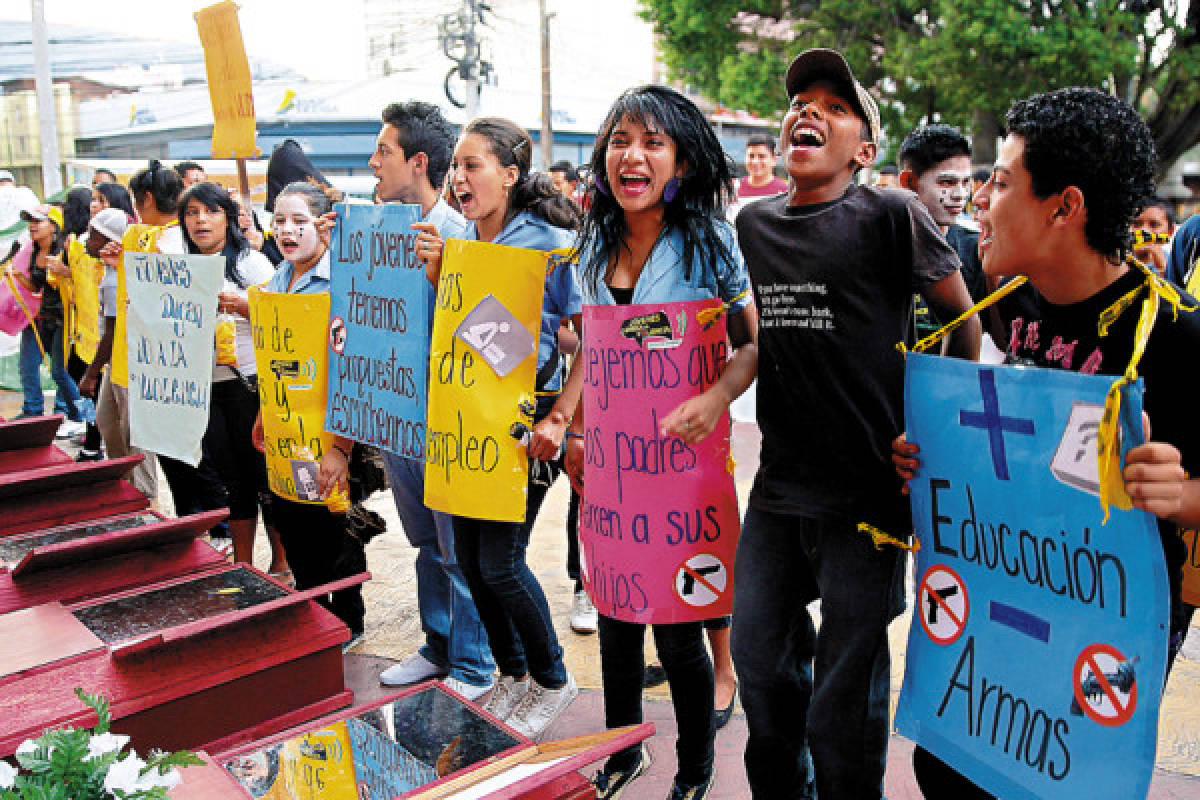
x=100 y=557
x=422 y=743
x=20 y=434
x=51 y=496
x=184 y=663
x=29 y=444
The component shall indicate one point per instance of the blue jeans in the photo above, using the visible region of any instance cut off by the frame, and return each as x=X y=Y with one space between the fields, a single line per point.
x=509 y=598
x=816 y=701
x=31 y=359
x=454 y=636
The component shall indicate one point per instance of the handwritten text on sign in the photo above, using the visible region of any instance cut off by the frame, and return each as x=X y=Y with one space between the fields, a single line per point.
x=290 y=352
x=659 y=517
x=473 y=465
x=1039 y=647
x=169 y=333
x=379 y=330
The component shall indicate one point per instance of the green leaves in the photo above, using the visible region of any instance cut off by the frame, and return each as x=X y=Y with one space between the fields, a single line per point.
x=942 y=60
x=72 y=764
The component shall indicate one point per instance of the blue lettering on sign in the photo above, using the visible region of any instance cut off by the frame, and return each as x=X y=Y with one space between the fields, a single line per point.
x=993 y=422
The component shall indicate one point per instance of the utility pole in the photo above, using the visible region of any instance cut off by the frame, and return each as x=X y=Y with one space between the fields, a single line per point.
x=456 y=32
x=44 y=86
x=547 y=113
x=471 y=66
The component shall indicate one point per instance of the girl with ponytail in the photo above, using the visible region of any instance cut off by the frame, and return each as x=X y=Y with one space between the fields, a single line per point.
x=505 y=203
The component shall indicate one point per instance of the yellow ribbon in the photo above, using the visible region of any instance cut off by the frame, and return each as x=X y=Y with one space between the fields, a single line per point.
x=935 y=337
x=707 y=316
x=879 y=538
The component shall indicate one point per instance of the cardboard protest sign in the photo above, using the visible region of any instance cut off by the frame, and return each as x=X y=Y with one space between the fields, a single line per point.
x=81 y=300
x=290 y=352
x=1036 y=659
x=379 y=329
x=659 y=518
x=482 y=366
x=229 y=84
x=169 y=329
x=138 y=238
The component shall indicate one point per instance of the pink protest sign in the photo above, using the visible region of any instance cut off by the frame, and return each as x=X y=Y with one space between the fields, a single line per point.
x=659 y=517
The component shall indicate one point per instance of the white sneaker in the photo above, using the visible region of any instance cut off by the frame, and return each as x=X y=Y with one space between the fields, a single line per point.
x=583 y=613
x=68 y=429
x=411 y=670
x=541 y=706
x=508 y=693
x=467 y=690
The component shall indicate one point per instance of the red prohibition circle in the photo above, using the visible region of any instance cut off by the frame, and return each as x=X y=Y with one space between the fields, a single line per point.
x=1087 y=660
x=961 y=624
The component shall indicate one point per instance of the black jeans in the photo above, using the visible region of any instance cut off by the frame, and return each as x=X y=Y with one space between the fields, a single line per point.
x=573 y=540
x=689 y=674
x=319 y=551
x=229 y=449
x=507 y=595
x=816 y=701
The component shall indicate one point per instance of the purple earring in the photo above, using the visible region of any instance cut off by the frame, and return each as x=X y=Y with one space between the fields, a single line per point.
x=602 y=186
x=670 y=190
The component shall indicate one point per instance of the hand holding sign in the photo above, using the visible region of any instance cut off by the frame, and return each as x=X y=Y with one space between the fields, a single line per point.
x=695 y=418
x=429 y=249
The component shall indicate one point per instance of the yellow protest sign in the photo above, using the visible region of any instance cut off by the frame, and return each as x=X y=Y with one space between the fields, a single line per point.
x=138 y=239
x=81 y=300
x=292 y=356
x=482 y=367
x=229 y=85
x=320 y=764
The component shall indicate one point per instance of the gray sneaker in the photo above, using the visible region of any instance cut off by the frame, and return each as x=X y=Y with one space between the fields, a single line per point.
x=610 y=783
x=505 y=697
x=541 y=706
x=583 y=613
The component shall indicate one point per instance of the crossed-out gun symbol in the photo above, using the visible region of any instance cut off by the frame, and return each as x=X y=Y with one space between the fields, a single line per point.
x=945 y=593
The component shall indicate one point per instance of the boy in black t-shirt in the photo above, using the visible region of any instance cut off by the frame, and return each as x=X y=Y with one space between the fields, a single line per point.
x=833 y=266
x=935 y=163
x=1073 y=171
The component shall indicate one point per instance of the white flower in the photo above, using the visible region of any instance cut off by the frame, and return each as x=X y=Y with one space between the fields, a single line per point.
x=123 y=775
x=104 y=743
x=27 y=748
x=8 y=775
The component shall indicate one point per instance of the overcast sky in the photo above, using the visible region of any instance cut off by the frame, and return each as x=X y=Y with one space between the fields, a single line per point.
x=321 y=40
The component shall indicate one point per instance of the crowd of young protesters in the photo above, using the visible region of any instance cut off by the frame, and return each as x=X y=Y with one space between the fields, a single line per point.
x=651 y=223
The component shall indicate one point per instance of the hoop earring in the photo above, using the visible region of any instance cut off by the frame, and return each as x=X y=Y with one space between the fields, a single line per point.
x=670 y=190
x=602 y=186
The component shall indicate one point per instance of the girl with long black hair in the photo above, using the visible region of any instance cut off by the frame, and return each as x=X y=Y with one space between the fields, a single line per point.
x=655 y=233
x=208 y=218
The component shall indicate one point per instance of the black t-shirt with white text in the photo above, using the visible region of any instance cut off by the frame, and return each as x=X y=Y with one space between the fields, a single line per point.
x=834 y=285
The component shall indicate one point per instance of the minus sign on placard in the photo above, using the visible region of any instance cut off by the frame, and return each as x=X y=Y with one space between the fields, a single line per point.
x=1032 y=626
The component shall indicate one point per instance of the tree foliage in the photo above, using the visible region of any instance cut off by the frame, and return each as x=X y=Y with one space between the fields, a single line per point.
x=944 y=60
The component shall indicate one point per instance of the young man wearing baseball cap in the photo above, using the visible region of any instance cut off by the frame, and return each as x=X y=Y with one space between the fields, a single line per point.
x=833 y=265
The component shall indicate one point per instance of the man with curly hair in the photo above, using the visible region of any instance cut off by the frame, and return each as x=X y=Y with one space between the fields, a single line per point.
x=1073 y=171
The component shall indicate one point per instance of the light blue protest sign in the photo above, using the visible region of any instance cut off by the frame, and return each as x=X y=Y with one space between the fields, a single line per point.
x=170 y=325
x=1038 y=644
x=379 y=327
